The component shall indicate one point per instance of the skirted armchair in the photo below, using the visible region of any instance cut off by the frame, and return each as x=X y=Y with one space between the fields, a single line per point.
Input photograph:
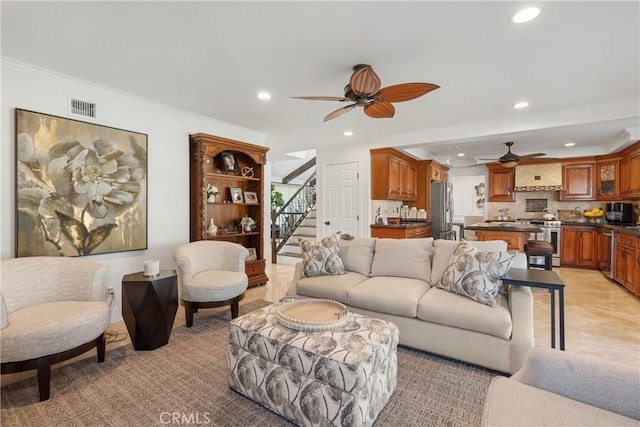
x=53 y=309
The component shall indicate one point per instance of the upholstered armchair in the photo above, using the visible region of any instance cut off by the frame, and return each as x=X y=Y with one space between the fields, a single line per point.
x=53 y=309
x=210 y=274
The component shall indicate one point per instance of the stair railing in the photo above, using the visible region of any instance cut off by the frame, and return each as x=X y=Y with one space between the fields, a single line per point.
x=285 y=221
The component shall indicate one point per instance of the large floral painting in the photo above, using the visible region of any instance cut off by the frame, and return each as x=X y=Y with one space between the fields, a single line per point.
x=81 y=188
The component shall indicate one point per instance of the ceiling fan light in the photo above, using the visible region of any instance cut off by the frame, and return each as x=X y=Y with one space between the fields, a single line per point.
x=509 y=164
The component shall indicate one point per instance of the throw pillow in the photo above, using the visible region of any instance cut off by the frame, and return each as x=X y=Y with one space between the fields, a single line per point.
x=443 y=252
x=4 y=313
x=321 y=258
x=476 y=274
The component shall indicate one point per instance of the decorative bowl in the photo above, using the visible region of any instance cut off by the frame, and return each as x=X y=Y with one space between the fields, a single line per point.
x=312 y=315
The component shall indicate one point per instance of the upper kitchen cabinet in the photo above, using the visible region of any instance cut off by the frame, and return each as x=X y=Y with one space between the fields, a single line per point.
x=501 y=183
x=630 y=172
x=578 y=181
x=394 y=175
x=608 y=179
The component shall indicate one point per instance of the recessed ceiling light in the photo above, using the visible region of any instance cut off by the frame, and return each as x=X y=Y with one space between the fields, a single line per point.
x=460 y=154
x=521 y=104
x=569 y=144
x=264 y=95
x=526 y=15
x=347 y=133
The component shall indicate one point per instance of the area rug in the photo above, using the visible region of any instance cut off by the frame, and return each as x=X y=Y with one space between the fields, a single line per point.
x=185 y=383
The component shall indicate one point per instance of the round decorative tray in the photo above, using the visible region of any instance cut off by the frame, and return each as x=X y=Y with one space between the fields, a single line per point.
x=312 y=315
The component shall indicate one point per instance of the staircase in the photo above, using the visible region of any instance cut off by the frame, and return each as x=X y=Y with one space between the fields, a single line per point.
x=295 y=220
x=290 y=252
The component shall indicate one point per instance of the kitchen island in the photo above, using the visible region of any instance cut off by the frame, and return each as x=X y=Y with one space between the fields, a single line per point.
x=516 y=235
x=404 y=230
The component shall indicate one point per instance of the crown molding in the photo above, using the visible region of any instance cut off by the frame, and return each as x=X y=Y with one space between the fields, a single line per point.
x=225 y=129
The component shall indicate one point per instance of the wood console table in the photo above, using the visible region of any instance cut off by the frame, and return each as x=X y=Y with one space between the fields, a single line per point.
x=547 y=280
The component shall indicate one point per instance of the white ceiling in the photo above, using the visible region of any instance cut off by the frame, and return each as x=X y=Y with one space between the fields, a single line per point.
x=578 y=65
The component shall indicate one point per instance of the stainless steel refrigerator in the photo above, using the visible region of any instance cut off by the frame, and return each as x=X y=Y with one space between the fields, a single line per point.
x=442 y=211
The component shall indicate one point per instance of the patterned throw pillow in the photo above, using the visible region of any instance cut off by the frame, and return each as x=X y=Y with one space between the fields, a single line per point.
x=476 y=274
x=322 y=258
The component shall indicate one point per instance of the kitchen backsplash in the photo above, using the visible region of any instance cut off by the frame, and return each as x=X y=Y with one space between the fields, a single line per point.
x=388 y=208
x=517 y=209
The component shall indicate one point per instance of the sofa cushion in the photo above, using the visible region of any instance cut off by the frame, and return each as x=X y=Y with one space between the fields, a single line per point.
x=476 y=275
x=335 y=287
x=322 y=258
x=391 y=295
x=357 y=254
x=403 y=258
x=51 y=328
x=443 y=252
x=510 y=403
x=449 y=309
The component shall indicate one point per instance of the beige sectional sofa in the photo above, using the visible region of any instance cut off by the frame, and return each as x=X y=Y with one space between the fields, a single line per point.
x=392 y=279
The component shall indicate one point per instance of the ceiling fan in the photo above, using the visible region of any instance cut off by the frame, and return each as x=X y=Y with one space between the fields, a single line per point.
x=364 y=91
x=510 y=160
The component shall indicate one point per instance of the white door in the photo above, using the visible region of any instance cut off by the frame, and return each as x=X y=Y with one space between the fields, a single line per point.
x=341 y=196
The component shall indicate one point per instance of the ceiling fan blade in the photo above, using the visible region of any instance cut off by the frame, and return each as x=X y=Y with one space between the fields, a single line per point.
x=380 y=110
x=339 y=112
x=528 y=156
x=322 y=98
x=405 y=91
x=490 y=160
x=365 y=81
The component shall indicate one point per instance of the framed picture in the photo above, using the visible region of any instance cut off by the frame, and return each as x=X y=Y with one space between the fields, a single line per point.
x=81 y=188
x=236 y=195
x=252 y=254
x=250 y=197
x=229 y=162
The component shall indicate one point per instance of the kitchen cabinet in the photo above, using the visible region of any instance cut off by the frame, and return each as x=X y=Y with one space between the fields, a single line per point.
x=393 y=175
x=627 y=263
x=403 y=232
x=515 y=240
x=578 y=181
x=579 y=246
x=630 y=173
x=207 y=167
x=608 y=180
x=501 y=183
x=604 y=249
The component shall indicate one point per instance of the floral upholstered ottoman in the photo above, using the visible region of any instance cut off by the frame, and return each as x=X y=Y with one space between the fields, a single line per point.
x=342 y=377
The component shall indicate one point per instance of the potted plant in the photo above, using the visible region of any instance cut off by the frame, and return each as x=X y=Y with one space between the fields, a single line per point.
x=212 y=193
x=247 y=223
x=277 y=199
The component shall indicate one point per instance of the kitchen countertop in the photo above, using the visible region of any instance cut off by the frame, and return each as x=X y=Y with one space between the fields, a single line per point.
x=508 y=226
x=412 y=224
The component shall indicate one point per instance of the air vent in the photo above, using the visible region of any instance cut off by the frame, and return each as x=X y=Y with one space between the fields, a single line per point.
x=83 y=108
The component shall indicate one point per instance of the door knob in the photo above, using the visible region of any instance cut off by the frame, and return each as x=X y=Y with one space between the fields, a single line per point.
x=327 y=223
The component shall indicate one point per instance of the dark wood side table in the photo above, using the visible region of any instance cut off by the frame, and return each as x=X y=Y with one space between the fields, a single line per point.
x=149 y=306
x=542 y=279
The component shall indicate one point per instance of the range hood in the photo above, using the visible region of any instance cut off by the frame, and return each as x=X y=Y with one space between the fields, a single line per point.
x=541 y=177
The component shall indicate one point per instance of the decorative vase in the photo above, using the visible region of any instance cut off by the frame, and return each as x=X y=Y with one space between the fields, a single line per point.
x=211 y=199
x=247 y=229
x=213 y=228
